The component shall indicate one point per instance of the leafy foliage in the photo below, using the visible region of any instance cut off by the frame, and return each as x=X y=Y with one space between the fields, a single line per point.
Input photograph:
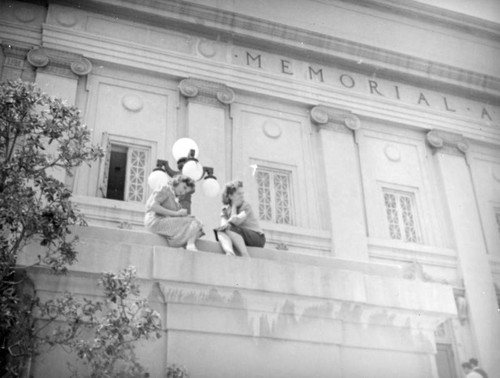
x=38 y=135
x=102 y=334
x=177 y=371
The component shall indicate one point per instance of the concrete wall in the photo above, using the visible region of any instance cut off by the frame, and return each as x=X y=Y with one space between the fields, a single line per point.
x=269 y=315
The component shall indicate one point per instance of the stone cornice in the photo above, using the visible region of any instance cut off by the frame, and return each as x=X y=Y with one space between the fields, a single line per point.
x=206 y=91
x=59 y=62
x=435 y=15
x=264 y=34
x=175 y=64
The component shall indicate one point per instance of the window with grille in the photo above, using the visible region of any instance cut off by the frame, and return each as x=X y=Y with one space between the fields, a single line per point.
x=275 y=195
x=125 y=171
x=401 y=215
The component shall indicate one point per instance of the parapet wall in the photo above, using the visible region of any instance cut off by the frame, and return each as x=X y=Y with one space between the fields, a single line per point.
x=272 y=315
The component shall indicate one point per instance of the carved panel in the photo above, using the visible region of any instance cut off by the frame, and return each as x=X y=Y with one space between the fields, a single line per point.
x=206 y=92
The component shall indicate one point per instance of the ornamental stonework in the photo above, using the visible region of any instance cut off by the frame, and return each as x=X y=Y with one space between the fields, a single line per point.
x=449 y=143
x=14 y=64
x=58 y=62
x=207 y=92
x=335 y=119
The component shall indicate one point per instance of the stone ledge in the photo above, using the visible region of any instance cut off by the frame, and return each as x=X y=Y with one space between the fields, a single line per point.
x=269 y=271
x=142 y=237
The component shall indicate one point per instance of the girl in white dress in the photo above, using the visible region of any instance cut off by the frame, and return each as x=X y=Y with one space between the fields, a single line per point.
x=165 y=216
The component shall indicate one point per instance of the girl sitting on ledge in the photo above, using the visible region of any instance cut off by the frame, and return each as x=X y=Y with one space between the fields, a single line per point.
x=165 y=216
x=239 y=226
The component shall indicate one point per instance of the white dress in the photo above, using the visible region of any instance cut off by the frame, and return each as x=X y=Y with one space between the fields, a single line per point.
x=177 y=230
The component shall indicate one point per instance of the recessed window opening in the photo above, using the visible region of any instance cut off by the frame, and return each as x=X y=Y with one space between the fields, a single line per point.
x=117 y=173
x=401 y=214
x=275 y=195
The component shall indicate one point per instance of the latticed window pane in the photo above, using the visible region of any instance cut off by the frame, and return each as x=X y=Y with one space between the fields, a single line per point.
x=409 y=224
x=282 y=198
x=392 y=215
x=137 y=175
x=264 y=189
x=400 y=210
x=274 y=190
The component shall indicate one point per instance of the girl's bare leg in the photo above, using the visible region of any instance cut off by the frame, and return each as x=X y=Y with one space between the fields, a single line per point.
x=226 y=243
x=238 y=242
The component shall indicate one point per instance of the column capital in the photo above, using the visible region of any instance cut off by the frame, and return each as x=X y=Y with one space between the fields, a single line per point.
x=13 y=50
x=208 y=92
x=15 y=60
x=447 y=142
x=335 y=119
x=59 y=62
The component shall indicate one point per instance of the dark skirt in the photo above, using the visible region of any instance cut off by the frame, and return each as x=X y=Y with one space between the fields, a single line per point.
x=250 y=237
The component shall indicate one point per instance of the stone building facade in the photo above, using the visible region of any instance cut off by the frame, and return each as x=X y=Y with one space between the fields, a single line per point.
x=367 y=134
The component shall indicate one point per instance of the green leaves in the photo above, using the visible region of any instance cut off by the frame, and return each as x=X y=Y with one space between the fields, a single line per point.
x=110 y=327
x=38 y=134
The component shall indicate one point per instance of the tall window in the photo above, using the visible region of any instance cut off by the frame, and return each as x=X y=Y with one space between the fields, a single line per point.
x=275 y=196
x=401 y=215
x=125 y=170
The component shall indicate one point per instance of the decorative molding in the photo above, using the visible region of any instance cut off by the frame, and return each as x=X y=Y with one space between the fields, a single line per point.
x=281 y=247
x=392 y=153
x=207 y=91
x=447 y=142
x=415 y=271
x=59 y=62
x=14 y=55
x=14 y=64
x=336 y=120
x=323 y=115
x=271 y=129
x=207 y=48
x=24 y=14
x=229 y=25
x=132 y=102
x=66 y=19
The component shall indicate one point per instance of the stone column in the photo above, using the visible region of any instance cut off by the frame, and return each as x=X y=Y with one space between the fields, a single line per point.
x=57 y=73
x=452 y=159
x=207 y=110
x=339 y=132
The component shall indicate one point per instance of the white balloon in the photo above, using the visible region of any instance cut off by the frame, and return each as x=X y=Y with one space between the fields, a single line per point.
x=193 y=169
x=182 y=147
x=211 y=187
x=157 y=178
